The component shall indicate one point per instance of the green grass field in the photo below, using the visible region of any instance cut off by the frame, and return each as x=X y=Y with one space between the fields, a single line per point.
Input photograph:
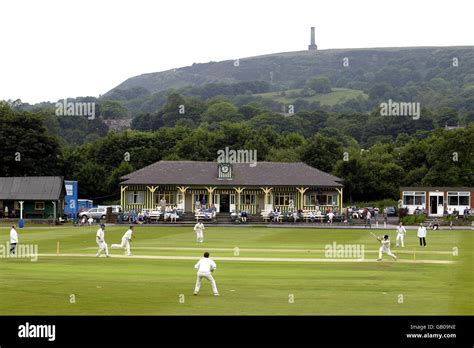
x=302 y=282
x=337 y=96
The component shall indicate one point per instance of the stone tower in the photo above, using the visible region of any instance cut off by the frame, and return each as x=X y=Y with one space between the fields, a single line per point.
x=313 y=45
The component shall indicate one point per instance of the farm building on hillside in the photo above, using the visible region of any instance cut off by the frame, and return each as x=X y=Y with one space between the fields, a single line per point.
x=231 y=187
x=437 y=201
x=42 y=196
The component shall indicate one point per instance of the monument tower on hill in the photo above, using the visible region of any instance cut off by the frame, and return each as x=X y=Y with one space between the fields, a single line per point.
x=313 y=45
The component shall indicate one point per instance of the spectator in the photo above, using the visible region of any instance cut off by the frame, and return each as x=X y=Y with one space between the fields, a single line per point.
x=163 y=205
x=385 y=215
x=368 y=218
x=243 y=216
x=197 y=204
x=330 y=217
x=6 y=212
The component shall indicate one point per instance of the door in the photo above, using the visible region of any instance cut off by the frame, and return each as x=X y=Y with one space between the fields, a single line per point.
x=224 y=203
x=232 y=206
x=216 y=200
x=436 y=203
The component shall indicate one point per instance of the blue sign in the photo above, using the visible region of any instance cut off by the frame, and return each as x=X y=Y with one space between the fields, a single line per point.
x=70 y=200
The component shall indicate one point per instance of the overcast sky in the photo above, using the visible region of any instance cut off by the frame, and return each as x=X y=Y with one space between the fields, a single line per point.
x=51 y=49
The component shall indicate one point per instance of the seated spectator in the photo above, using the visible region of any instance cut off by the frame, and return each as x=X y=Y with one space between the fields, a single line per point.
x=277 y=215
x=455 y=212
x=295 y=216
x=312 y=216
x=174 y=215
x=243 y=216
x=330 y=217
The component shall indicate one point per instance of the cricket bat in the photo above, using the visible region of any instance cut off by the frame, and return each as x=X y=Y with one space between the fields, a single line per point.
x=374 y=235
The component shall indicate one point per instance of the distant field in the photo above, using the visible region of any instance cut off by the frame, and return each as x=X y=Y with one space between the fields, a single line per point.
x=274 y=271
x=337 y=96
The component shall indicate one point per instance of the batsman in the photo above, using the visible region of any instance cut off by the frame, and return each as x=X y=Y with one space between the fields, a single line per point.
x=385 y=247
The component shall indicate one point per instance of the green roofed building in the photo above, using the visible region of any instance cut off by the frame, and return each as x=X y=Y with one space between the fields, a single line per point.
x=262 y=186
x=42 y=196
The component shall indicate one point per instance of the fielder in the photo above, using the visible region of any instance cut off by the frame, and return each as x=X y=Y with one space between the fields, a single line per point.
x=401 y=232
x=205 y=266
x=126 y=239
x=199 y=229
x=101 y=241
x=385 y=248
x=13 y=240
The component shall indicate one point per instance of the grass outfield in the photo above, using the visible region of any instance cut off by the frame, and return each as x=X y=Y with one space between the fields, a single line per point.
x=297 y=280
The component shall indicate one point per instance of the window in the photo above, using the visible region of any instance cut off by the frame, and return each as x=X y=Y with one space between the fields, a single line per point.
x=310 y=199
x=39 y=205
x=283 y=198
x=136 y=197
x=322 y=199
x=414 y=198
x=170 y=198
x=232 y=199
x=247 y=199
x=458 y=198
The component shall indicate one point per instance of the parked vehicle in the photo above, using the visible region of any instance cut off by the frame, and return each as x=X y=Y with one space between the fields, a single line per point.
x=95 y=213
x=391 y=211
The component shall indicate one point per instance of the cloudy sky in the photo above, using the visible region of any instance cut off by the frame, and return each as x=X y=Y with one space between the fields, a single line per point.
x=51 y=49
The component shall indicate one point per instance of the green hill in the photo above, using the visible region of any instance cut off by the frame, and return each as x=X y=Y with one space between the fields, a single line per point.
x=434 y=76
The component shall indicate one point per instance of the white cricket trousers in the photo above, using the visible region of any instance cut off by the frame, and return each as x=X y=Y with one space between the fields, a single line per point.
x=125 y=245
x=102 y=246
x=386 y=251
x=400 y=238
x=209 y=277
x=200 y=236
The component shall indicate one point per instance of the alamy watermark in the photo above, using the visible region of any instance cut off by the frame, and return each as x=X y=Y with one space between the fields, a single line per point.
x=25 y=251
x=344 y=251
x=237 y=156
x=392 y=108
x=82 y=109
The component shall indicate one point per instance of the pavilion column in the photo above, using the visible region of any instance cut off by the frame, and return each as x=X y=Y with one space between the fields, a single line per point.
x=267 y=191
x=152 y=190
x=302 y=190
x=123 y=198
x=239 y=190
x=210 y=190
x=339 y=190
x=182 y=190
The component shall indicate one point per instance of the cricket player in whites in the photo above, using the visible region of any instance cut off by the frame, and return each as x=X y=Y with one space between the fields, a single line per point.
x=385 y=247
x=199 y=229
x=205 y=267
x=100 y=239
x=126 y=239
x=401 y=232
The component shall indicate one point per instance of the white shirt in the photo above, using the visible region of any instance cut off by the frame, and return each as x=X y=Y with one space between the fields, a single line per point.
x=199 y=227
x=128 y=235
x=205 y=265
x=385 y=244
x=401 y=230
x=100 y=234
x=369 y=215
x=13 y=236
x=330 y=215
x=421 y=231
